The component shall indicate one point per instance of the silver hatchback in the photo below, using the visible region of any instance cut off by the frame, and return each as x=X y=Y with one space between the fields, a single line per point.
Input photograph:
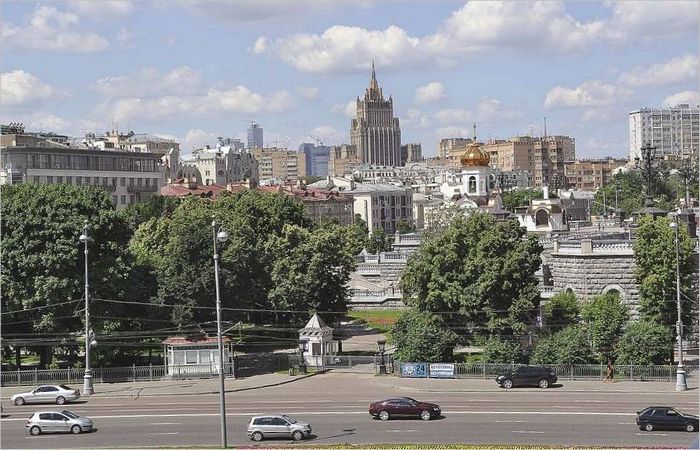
x=57 y=422
x=58 y=394
x=261 y=427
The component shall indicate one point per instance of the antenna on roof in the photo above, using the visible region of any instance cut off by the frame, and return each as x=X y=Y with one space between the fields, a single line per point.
x=545 y=127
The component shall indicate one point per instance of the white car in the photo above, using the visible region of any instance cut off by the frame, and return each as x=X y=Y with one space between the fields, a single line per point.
x=47 y=394
x=57 y=422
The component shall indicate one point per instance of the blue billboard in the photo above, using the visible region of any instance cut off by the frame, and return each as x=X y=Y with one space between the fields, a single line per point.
x=414 y=370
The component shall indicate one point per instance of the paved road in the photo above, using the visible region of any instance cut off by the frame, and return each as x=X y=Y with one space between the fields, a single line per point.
x=336 y=406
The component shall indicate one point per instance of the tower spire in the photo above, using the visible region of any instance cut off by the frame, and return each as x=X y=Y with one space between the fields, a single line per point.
x=373 y=85
x=474 y=138
x=545 y=127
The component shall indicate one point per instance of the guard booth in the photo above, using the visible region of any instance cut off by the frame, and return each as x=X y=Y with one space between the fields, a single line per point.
x=195 y=355
x=317 y=338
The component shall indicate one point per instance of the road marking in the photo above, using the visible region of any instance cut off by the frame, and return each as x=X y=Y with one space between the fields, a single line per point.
x=529 y=432
x=652 y=434
x=400 y=431
x=509 y=421
x=165 y=433
x=166 y=423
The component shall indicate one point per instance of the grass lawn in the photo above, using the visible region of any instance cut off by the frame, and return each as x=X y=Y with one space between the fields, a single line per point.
x=379 y=321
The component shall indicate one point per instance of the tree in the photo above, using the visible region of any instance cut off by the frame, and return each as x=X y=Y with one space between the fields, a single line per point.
x=404 y=227
x=568 y=346
x=422 y=336
x=43 y=264
x=497 y=350
x=655 y=269
x=630 y=194
x=605 y=317
x=356 y=236
x=515 y=198
x=560 y=311
x=378 y=242
x=644 y=343
x=480 y=268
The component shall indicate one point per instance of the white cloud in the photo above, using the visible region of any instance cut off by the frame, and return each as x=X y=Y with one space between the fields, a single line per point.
x=430 y=93
x=19 y=87
x=235 y=100
x=196 y=137
x=690 y=97
x=651 y=20
x=326 y=133
x=102 y=9
x=308 y=92
x=449 y=132
x=150 y=82
x=124 y=38
x=48 y=29
x=348 y=110
x=453 y=116
x=681 y=69
x=260 y=11
x=415 y=119
x=487 y=110
x=589 y=94
x=46 y=122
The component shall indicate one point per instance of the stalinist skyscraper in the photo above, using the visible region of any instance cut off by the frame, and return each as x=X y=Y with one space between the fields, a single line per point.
x=375 y=131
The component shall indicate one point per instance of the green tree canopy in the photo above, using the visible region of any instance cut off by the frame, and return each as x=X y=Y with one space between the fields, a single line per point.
x=568 y=346
x=505 y=351
x=644 y=343
x=560 y=311
x=655 y=269
x=605 y=317
x=422 y=336
x=378 y=241
x=480 y=268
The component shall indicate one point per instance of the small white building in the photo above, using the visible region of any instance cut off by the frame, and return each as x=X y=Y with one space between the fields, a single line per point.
x=195 y=354
x=319 y=342
x=544 y=215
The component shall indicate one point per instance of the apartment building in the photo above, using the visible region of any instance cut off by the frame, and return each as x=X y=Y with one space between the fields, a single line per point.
x=673 y=131
x=589 y=175
x=343 y=159
x=281 y=164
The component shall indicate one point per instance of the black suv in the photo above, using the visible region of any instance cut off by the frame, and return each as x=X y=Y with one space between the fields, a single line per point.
x=528 y=376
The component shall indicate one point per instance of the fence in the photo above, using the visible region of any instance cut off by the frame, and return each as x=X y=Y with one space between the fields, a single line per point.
x=347 y=363
x=112 y=374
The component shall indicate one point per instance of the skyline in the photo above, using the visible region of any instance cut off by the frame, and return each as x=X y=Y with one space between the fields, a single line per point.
x=196 y=70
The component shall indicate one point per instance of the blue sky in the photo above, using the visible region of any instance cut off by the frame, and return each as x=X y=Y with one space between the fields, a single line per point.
x=194 y=70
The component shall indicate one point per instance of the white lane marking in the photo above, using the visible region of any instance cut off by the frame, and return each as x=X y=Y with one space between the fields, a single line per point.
x=166 y=423
x=508 y=421
x=164 y=433
x=400 y=431
x=626 y=423
x=652 y=434
x=529 y=432
x=319 y=413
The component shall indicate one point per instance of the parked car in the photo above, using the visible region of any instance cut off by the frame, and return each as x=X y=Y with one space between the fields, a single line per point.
x=541 y=376
x=404 y=407
x=262 y=427
x=57 y=422
x=666 y=418
x=47 y=394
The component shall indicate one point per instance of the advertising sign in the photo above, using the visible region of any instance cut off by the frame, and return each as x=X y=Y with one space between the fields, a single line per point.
x=414 y=370
x=442 y=371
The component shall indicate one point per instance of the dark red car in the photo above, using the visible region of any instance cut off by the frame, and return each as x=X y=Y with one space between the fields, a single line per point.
x=404 y=407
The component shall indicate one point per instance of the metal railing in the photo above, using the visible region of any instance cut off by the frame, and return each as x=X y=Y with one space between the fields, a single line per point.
x=112 y=374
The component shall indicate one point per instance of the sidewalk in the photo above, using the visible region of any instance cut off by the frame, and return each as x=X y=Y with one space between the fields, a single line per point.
x=184 y=387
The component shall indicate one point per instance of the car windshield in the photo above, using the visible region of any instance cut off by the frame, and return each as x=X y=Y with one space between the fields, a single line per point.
x=289 y=419
x=70 y=414
x=64 y=387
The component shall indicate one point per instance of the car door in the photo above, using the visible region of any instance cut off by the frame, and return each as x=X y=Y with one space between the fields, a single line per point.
x=281 y=426
x=46 y=422
x=62 y=422
x=658 y=419
x=35 y=396
x=393 y=407
x=520 y=376
x=674 y=421
x=49 y=395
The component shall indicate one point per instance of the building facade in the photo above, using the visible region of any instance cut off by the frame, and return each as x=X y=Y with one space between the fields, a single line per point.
x=673 y=131
x=343 y=159
x=317 y=159
x=452 y=148
x=207 y=166
x=255 y=135
x=281 y=164
x=589 y=175
x=411 y=153
x=375 y=131
x=382 y=205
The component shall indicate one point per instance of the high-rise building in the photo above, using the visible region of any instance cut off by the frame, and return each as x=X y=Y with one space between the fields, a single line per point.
x=673 y=131
x=317 y=158
x=411 y=153
x=375 y=131
x=255 y=135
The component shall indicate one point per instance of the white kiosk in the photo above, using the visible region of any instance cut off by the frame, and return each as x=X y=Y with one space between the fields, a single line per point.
x=318 y=342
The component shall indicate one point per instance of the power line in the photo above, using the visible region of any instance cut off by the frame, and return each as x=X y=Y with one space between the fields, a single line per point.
x=40 y=307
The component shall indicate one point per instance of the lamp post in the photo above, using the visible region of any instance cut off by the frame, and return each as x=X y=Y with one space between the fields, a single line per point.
x=646 y=163
x=381 y=344
x=219 y=236
x=87 y=377
x=681 y=384
x=302 y=363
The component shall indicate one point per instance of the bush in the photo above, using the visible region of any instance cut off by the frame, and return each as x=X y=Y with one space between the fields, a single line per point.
x=568 y=346
x=560 y=311
x=497 y=350
x=422 y=336
x=644 y=343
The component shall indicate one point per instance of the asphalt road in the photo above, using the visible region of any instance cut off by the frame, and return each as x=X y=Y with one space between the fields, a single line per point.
x=336 y=406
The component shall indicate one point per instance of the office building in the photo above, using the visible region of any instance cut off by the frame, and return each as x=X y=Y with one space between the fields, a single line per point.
x=673 y=131
x=317 y=158
x=255 y=135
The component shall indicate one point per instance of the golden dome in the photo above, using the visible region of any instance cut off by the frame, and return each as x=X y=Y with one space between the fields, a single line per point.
x=475 y=156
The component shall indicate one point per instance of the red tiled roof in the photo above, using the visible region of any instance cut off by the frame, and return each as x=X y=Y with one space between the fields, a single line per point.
x=192 y=340
x=179 y=190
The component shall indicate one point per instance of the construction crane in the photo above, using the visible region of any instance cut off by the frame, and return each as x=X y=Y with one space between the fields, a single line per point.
x=319 y=142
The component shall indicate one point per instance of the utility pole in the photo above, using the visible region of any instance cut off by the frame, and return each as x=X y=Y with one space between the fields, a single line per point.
x=220 y=236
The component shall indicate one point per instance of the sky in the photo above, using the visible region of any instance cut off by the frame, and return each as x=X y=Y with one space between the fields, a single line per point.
x=194 y=70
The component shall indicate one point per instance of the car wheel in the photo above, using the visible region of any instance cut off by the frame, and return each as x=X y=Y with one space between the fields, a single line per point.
x=35 y=431
x=544 y=384
x=76 y=429
x=19 y=401
x=649 y=427
x=257 y=436
x=425 y=415
x=384 y=415
x=507 y=384
x=60 y=400
x=297 y=435
x=689 y=427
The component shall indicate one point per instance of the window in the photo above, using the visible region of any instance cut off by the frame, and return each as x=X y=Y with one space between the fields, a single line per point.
x=131 y=181
x=46 y=416
x=123 y=199
x=132 y=199
x=191 y=357
x=279 y=421
x=59 y=180
x=178 y=355
x=204 y=356
x=78 y=181
x=49 y=179
x=122 y=181
x=69 y=180
x=114 y=199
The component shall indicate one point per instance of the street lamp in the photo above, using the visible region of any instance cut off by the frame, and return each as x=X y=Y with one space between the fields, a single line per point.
x=381 y=344
x=302 y=363
x=87 y=378
x=681 y=384
x=647 y=163
x=219 y=236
